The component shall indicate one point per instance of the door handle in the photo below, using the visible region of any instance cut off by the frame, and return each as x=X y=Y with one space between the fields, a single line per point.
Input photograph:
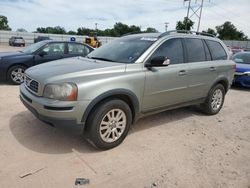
x=182 y=72
x=212 y=68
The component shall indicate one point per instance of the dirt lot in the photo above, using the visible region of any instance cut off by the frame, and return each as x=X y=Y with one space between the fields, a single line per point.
x=178 y=148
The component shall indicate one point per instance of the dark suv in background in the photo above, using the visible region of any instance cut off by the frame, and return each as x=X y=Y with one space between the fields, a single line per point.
x=16 y=41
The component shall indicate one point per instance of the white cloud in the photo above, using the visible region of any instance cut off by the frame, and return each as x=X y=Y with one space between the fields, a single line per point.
x=30 y=14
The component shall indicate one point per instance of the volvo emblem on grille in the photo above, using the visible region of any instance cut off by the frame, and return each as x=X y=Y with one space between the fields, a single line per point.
x=28 y=81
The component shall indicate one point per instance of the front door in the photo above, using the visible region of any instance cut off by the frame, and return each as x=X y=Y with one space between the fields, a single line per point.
x=166 y=86
x=50 y=52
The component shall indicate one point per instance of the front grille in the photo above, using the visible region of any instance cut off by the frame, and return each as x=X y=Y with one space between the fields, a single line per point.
x=31 y=84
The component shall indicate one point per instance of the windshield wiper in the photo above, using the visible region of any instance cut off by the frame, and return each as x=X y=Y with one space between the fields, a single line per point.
x=100 y=58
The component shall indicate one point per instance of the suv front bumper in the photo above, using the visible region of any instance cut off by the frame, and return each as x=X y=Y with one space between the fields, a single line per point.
x=54 y=112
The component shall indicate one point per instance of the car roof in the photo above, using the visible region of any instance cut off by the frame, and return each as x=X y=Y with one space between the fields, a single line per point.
x=58 y=41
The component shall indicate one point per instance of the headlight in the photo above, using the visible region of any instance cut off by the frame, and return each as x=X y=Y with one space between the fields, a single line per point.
x=63 y=92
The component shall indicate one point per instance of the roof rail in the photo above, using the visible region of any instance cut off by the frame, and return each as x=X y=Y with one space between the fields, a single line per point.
x=186 y=32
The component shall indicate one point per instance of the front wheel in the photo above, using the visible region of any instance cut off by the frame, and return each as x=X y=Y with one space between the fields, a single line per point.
x=16 y=74
x=215 y=100
x=109 y=124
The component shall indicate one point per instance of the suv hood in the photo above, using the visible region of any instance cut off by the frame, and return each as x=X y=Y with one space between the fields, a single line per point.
x=70 y=68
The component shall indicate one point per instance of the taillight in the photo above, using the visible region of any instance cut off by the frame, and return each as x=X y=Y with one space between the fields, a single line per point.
x=234 y=67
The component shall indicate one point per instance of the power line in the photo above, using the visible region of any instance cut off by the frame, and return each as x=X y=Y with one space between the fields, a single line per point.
x=228 y=18
x=197 y=12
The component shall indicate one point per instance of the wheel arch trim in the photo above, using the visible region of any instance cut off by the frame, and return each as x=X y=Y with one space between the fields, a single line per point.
x=113 y=93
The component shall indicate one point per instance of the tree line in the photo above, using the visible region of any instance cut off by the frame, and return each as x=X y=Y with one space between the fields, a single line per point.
x=226 y=31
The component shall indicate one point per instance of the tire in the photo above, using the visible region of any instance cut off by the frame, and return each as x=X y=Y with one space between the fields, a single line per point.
x=214 y=101
x=15 y=74
x=113 y=131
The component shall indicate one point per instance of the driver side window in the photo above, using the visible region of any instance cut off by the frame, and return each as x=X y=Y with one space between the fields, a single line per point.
x=172 y=49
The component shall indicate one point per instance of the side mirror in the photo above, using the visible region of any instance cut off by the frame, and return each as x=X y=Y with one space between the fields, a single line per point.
x=42 y=53
x=159 y=61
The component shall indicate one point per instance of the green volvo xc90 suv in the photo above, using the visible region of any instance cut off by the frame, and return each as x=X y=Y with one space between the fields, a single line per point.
x=128 y=78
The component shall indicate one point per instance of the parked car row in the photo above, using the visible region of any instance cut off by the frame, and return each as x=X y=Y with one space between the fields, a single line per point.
x=242 y=74
x=13 y=64
x=16 y=41
x=233 y=50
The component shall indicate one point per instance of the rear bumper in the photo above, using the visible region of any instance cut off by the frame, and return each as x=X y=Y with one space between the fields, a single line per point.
x=242 y=80
x=52 y=111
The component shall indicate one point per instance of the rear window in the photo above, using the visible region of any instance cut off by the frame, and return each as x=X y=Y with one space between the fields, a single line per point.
x=195 y=50
x=243 y=58
x=217 y=51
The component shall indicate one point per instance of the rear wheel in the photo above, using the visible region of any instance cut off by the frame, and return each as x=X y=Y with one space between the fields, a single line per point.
x=109 y=124
x=16 y=74
x=215 y=100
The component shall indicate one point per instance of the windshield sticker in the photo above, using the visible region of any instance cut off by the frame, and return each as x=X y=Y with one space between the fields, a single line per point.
x=149 y=38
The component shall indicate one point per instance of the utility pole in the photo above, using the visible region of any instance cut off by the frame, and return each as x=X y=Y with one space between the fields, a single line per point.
x=202 y=1
x=197 y=12
x=96 y=28
x=166 y=26
x=187 y=13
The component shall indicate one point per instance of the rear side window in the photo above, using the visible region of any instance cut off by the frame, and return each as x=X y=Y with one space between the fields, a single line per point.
x=217 y=51
x=195 y=50
x=79 y=49
x=172 y=49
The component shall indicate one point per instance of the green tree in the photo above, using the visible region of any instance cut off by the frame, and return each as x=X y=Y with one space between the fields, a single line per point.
x=186 y=24
x=4 y=23
x=71 y=32
x=121 y=29
x=59 y=30
x=84 y=31
x=210 y=31
x=41 y=30
x=21 y=30
x=151 y=30
x=52 y=30
x=228 y=31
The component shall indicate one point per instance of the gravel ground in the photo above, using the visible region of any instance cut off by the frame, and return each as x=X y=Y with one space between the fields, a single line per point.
x=177 y=148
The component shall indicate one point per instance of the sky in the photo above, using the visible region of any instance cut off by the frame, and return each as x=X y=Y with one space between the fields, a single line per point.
x=30 y=14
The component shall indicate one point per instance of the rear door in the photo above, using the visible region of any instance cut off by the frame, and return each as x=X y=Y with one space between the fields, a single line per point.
x=51 y=51
x=76 y=49
x=201 y=70
x=166 y=86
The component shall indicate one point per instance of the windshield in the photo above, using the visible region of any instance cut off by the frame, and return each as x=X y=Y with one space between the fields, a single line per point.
x=33 y=47
x=122 y=50
x=243 y=58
